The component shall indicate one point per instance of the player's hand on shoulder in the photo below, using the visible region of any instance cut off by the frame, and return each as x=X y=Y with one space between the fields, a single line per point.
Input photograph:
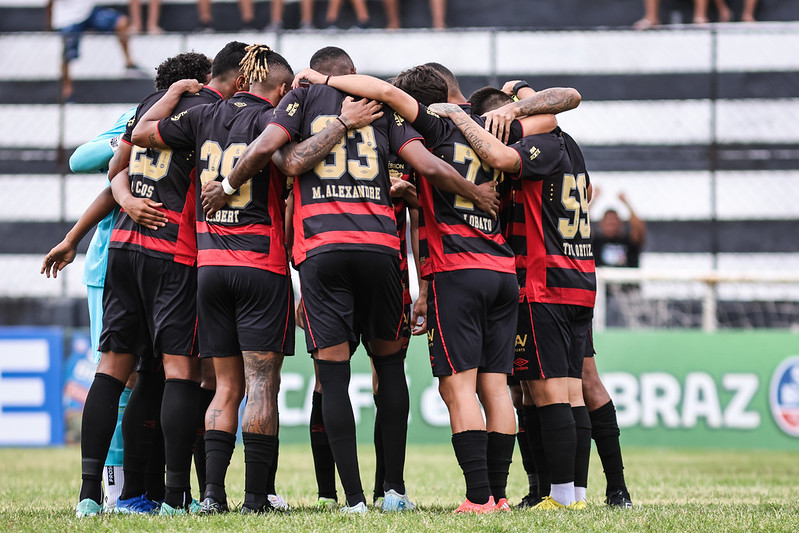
x=56 y=259
x=444 y=109
x=145 y=212
x=213 y=198
x=488 y=198
x=186 y=86
x=508 y=87
x=499 y=120
x=312 y=77
x=360 y=113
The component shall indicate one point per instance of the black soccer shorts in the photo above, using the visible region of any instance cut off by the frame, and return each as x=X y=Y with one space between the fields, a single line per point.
x=347 y=295
x=148 y=294
x=471 y=317
x=552 y=340
x=244 y=309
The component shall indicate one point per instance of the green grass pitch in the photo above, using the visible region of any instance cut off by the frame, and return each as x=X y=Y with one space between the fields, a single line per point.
x=687 y=490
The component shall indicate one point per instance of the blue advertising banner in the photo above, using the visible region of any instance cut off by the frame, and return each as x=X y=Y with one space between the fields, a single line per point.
x=30 y=386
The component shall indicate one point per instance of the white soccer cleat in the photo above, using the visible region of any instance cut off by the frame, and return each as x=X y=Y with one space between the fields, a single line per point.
x=278 y=502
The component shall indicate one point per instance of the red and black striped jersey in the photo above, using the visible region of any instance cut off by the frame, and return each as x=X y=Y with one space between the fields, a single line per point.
x=453 y=233
x=343 y=203
x=397 y=168
x=551 y=231
x=249 y=231
x=165 y=176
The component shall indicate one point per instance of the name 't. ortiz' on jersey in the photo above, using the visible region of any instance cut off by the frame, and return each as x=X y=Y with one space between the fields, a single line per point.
x=249 y=230
x=551 y=232
x=344 y=202
x=165 y=176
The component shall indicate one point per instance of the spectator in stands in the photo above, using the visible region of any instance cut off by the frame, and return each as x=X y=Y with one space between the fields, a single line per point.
x=276 y=15
x=361 y=13
x=72 y=18
x=614 y=243
x=651 y=17
x=438 y=9
x=246 y=8
x=153 y=13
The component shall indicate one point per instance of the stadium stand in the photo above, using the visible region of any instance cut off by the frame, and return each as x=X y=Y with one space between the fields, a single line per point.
x=699 y=125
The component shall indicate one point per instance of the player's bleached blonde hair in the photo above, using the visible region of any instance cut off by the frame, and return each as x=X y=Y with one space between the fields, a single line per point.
x=254 y=64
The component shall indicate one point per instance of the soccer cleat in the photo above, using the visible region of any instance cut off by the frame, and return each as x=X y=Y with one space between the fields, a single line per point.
x=88 y=507
x=137 y=505
x=394 y=501
x=548 y=504
x=278 y=503
x=579 y=505
x=503 y=505
x=619 y=498
x=194 y=507
x=325 y=504
x=529 y=501
x=265 y=508
x=168 y=510
x=211 y=506
x=378 y=503
x=477 y=508
x=358 y=508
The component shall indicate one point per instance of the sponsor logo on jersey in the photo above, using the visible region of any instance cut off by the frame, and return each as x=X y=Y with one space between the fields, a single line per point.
x=784 y=396
x=432 y=113
x=398 y=119
x=292 y=108
x=239 y=104
x=177 y=117
x=534 y=152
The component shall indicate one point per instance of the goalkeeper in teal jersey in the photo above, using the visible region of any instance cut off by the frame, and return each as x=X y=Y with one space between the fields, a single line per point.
x=95 y=156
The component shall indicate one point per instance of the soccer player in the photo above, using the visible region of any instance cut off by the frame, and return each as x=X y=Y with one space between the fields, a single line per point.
x=347 y=251
x=471 y=268
x=551 y=238
x=246 y=314
x=149 y=299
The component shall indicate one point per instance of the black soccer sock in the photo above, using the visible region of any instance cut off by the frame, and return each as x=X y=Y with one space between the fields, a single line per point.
x=582 y=425
x=532 y=423
x=139 y=432
x=340 y=425
x=156 y=467
x=393 y=405
x=605 y=431
x=206 y=396
x=259 y=454
x=97 y=427
x=526 y=452
x=181 y=397
x=270 y=478
x=219 y=446
x=324 y=466
x=499 y=457
x=560 y=441
x=471 y=448
x=380 y=467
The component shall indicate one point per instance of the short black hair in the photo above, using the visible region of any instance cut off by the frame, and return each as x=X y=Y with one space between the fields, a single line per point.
x=228 y=59
x=189 y=65
x=332 y=60
x=449 y=77
x=423 y=83
x=487 y=99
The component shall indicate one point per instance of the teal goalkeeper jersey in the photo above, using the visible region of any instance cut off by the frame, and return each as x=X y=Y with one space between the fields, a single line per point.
x=92 y=157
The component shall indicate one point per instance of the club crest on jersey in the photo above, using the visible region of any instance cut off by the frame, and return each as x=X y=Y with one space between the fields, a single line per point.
x=398 y=119
x=534 y=152
x=292 y=108
x=177 y=117
x=784 y=396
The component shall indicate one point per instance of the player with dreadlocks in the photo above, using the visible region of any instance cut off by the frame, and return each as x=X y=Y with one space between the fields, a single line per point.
x=245 y=300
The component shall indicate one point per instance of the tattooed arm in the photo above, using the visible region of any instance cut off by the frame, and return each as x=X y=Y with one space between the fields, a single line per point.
x=295 y=159
x=489 y=149
x=549 y=101
x=145 y=134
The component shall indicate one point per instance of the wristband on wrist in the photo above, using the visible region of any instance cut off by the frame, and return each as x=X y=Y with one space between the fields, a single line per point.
x=328 y=79
x=520 y=85
x=343 y=123
x=227 y=188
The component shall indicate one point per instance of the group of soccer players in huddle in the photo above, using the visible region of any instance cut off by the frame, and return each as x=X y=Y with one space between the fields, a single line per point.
x=224 y=182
